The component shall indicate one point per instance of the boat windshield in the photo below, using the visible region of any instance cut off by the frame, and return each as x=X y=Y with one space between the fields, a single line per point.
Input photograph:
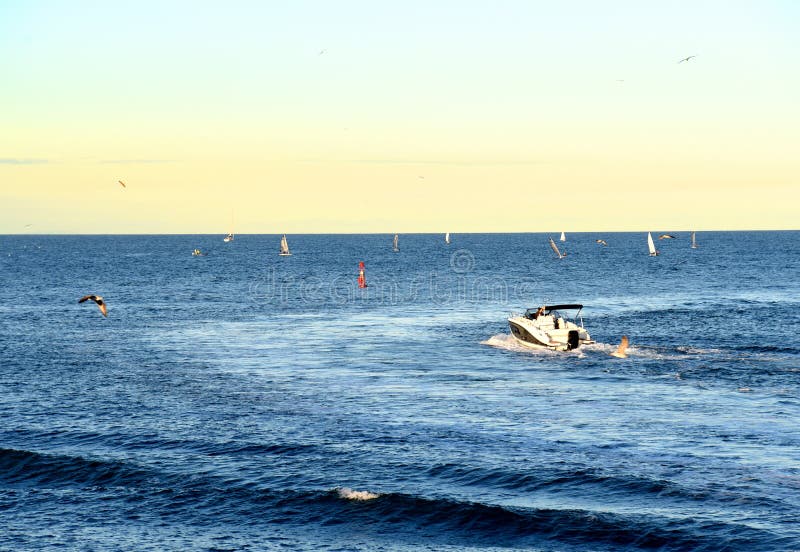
x=531 y=314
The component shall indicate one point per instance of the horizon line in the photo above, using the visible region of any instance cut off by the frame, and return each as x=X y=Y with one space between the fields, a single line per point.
x=382 y=233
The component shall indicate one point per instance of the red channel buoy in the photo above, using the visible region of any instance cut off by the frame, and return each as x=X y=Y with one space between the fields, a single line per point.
x=362 y=279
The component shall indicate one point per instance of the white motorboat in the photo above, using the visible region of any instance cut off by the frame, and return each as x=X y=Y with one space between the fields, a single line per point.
x=548 y=328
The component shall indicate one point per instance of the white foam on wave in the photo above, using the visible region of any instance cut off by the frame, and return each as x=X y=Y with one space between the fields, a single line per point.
x=350 y=494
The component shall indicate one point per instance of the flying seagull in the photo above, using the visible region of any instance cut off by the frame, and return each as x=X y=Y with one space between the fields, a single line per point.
x=97 y=299
x=687 y=58
x=666 y=237
x=623 y=346
x=601 y=242
x=322 y=51
x=122 y=183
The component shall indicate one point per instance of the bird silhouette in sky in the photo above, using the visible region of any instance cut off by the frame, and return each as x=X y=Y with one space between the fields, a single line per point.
x=687 y=58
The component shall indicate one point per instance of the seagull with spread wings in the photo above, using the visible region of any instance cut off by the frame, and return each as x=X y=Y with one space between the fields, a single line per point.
x=97 y=299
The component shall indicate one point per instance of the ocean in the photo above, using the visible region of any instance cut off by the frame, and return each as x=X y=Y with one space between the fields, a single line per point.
x=246 y=401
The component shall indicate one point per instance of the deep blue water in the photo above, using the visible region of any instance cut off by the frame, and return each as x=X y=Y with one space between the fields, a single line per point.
x=229 y=401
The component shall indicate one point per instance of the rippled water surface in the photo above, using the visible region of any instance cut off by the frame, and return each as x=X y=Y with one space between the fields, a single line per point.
x=243 y=400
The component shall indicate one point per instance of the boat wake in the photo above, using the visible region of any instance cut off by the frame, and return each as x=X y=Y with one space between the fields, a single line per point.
x=509 y=343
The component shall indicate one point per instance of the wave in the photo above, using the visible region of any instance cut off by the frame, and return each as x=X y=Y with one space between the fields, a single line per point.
x=205 y=499
x=20 y=467
x=350 y=494
x=628 y=487
x=148 y=442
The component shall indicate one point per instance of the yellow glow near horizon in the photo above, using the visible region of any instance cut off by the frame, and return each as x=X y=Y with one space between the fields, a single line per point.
x=402 y=124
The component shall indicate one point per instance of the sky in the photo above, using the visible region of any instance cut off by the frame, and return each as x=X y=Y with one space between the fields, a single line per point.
x=413 y=116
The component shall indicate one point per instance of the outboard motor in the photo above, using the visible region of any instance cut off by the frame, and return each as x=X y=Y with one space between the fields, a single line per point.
x=573 y=340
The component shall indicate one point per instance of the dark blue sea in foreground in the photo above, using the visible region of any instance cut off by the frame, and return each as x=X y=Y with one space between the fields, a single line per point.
x=246 y=401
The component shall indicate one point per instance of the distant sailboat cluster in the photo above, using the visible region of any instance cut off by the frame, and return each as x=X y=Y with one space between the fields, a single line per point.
x=651 y=246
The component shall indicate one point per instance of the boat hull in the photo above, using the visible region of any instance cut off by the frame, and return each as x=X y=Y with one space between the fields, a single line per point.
x=565 y=339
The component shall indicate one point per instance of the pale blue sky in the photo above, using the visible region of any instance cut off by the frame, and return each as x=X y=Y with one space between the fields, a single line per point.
x=506 y=84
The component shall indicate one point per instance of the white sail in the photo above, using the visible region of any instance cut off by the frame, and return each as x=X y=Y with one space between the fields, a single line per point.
x=555 y=249
x=651 y=246
x=394 y=243
x=694 y=241
x=284 y=246
x=447 y=238
x=563 y=237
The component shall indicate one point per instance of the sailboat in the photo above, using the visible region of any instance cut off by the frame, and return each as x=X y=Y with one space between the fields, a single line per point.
x=447 y=238
x=651 y=246
x=229 y=237
x=563 y=238
x=555 y=248
x=395 y=248
x=284 y=247
x=694 y=241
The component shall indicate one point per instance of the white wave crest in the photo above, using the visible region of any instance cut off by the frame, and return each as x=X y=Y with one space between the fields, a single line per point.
x=350 y=494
